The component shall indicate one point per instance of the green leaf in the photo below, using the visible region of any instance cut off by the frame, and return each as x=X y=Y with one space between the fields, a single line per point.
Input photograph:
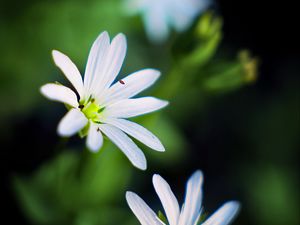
x=273 y=195
x=34 y=204
x=60 y=190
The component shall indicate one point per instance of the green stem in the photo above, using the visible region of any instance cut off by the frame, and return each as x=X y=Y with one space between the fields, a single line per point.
x=85 y=156
x=61 y=145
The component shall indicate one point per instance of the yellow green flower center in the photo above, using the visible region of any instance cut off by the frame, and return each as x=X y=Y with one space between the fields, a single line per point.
x=91 y=110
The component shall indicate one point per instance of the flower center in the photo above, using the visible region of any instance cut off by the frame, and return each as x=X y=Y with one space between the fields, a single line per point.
x=91 y=110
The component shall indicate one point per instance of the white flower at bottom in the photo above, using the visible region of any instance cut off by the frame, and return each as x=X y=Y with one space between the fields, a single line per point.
x=159 y=16
x=191 y=209
x=102 y=108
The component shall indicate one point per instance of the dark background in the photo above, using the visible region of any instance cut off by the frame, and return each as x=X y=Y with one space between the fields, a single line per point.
x=248 y=139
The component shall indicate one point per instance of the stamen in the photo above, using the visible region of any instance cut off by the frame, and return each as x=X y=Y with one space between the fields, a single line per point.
x=121 y=82
x=101 y=110
x=81 y=106
x=89 y=99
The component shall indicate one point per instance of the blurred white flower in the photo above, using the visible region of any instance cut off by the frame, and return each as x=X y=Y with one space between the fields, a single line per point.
x=190 y=211
x=159 y=16
x=99 y=107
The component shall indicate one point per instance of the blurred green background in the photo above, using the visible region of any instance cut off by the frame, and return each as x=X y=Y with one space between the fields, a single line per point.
x=234 y=113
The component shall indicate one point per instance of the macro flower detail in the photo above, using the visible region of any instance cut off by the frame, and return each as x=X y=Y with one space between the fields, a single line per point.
x=159 y=16
x=191 y=210
x=100 y=107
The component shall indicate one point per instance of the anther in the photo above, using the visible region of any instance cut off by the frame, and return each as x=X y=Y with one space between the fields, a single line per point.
x=121 y=82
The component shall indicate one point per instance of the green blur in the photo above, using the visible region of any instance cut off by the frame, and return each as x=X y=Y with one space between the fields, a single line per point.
x=77 y=187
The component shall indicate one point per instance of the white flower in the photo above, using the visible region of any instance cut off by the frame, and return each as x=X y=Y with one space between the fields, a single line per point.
x=191 y=209
x=159 y=16
x=99 y=107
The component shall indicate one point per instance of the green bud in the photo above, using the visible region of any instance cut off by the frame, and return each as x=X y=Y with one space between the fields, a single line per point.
x=162 y=217
x=232 y=75
x=207 y=37
x=208 y=25
x=202 y=218
x=250 y=66
x=84 y=132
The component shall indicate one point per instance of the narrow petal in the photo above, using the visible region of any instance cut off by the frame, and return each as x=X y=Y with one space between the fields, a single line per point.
x=167 y=199
x=96 y=61
x=69 y=69
x=183 y=13
x=224 y=215
x=59 y=93
x=193 y=200
x=112 y=64
x=131 y=85
x=141 y=210
x=71 y=123
x=127 y=146
x=180 y=20
x=138 y=132
x=94 y=139
x=134 y=107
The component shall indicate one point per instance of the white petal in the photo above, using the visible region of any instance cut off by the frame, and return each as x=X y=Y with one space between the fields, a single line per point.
x=112 y=64
x=141 y=210
x=183 y=13
x=127 y=146
x=132 y=85
x=138 y=132
x=198 y=219
x=193 y=7
x=59 y=93
x=94 y=139
x=193 y=199
x=71 y=123
x=156 y=23
x=69 y=69
x=180 y=20
x=224 y=215
x=134 y=107
x=167 y=199
x=96 y=61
